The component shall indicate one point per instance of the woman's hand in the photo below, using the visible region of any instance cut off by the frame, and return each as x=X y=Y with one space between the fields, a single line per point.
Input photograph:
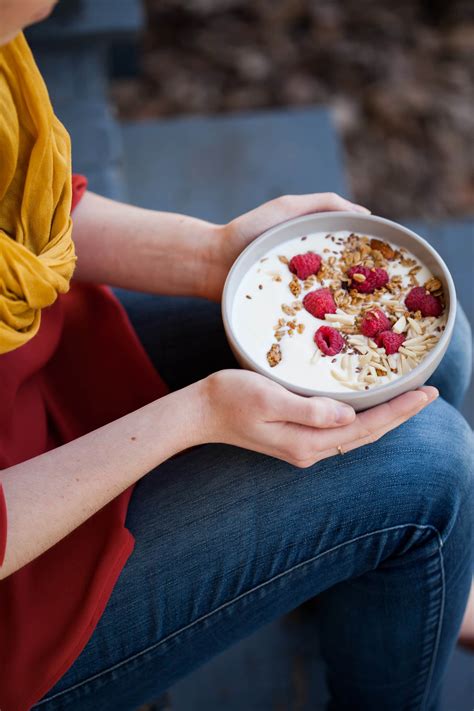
x=248 y=410
x=232 y=238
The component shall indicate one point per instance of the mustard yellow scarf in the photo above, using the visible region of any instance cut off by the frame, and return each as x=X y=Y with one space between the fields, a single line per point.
x=36 y=250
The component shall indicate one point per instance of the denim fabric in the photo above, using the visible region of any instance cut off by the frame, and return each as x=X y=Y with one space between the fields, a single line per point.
x=228 y=540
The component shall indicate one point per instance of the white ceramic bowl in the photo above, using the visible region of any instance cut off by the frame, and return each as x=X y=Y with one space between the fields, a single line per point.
x=361 y=224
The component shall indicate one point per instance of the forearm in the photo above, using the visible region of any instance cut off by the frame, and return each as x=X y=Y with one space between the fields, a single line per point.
x=49 y=496
x=144 y=250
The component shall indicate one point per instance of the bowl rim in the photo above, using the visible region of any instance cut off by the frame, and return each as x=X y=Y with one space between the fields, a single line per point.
x=349 y=396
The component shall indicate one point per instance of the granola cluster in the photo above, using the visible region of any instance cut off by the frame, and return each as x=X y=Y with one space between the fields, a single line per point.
x=382 y=336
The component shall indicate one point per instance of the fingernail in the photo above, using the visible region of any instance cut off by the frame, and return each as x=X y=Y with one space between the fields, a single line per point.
x=431 y=395
x=361 y=208
x=344 y=414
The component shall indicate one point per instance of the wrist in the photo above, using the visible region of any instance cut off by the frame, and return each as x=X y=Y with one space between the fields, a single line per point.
x=190 y=416
x=216 y=260
x=204 y=412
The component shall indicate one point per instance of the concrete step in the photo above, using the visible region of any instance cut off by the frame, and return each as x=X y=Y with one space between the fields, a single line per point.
x=219 y=167
x=72 y=48
x=77 y=82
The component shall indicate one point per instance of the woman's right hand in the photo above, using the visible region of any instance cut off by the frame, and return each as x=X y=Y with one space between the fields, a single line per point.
x=251 y=411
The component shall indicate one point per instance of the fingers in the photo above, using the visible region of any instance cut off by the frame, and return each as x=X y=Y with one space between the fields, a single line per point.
x=319 y=412
x=368 y=425
x=377 y=434
x=294 y=205
x=302 y=446
x=288 y=206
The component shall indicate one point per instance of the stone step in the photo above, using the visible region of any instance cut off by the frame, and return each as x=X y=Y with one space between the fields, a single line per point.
x=219 y=167
x=77 y=83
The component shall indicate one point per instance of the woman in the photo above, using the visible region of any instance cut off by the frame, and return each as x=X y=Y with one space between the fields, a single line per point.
x=145 y=527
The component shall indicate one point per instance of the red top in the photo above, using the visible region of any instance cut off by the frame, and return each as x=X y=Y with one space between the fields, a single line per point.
x=58 y=386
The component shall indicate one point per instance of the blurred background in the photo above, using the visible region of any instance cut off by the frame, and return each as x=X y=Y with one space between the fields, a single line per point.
x=209 y=107
x=398 y=78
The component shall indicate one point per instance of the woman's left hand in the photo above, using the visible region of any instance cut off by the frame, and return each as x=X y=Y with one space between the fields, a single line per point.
x=237 y=234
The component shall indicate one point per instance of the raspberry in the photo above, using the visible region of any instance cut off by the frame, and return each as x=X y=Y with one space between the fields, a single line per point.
x=374 y=322
x=420 y=299
x=390 y=341
x=303 y=265
x=319 y=303
x=381 y=278
x=329 y=341
x=373 y=278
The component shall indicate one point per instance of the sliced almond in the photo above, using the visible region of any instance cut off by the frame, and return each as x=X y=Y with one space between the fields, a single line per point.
x=392 y=361
x=339 y=376
x=414 y=324
x=405 y=368
x=407 y=352
x=418 y=349
x=354 y=386
x=340 y=317
x=413 y=341
x=371 y=379
x=400 y=325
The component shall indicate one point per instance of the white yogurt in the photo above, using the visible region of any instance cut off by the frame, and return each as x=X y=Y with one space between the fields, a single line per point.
x=254 y=318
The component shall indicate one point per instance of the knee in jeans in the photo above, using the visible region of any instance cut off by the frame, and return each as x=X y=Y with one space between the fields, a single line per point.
x=435 y=478
x=420 y=473
x=454 y=372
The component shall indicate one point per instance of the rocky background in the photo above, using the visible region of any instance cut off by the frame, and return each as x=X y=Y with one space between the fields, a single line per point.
x=398 y=76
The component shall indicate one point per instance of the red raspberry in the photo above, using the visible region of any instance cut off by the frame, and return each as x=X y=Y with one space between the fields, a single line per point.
x=329 y=341
x=319 y=303
x=420 y=299
x=374 y=278
x=374 y=322
x=303 y=265
x=381 y=278
x=390 y=341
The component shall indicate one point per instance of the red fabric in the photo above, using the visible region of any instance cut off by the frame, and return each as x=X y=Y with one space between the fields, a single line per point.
x=84 y=368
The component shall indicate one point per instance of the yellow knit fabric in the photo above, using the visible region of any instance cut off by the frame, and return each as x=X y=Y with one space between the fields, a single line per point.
x=36 y=250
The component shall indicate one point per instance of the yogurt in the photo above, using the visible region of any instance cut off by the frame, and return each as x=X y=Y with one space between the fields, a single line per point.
x=277 y=332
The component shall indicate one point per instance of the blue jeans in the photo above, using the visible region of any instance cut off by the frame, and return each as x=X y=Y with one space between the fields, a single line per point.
x=228 y=540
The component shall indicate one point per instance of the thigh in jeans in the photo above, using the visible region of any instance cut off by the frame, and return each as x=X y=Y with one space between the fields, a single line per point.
x=227 y=540
x=170 y=327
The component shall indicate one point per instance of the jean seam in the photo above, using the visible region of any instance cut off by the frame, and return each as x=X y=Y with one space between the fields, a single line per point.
x=301 y=564
x=440 y=620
